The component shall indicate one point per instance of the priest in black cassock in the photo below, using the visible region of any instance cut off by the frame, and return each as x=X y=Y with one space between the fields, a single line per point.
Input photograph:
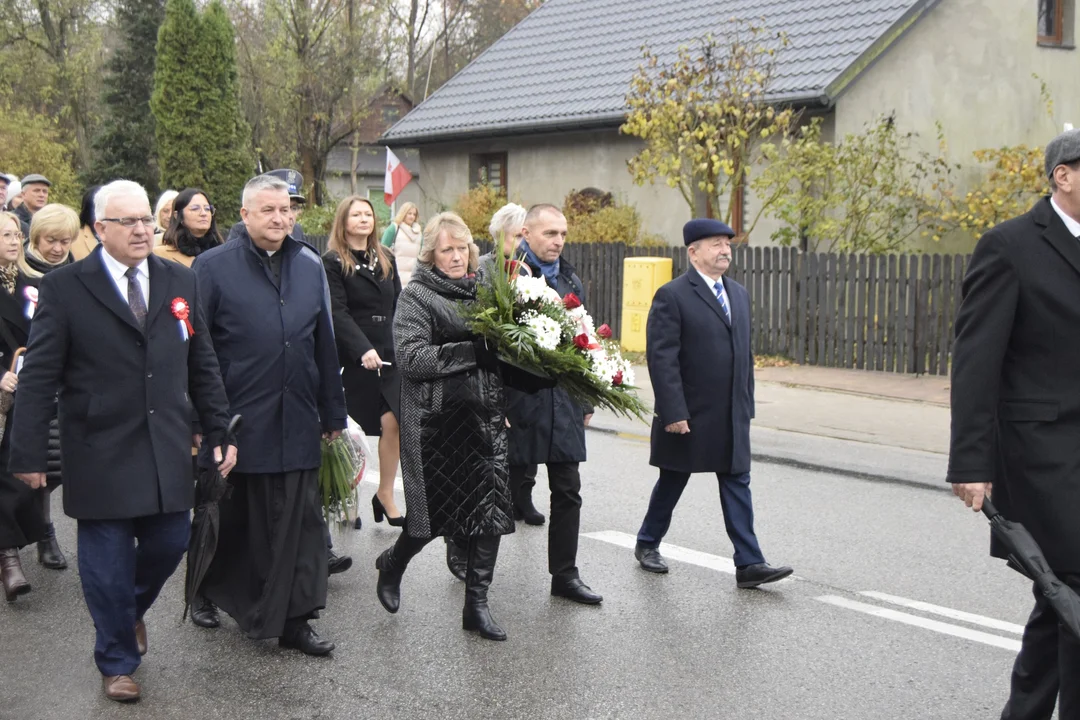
x=267 y=306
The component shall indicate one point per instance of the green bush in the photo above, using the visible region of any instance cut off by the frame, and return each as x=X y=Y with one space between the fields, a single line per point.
x=476 y=208
x=593 y=216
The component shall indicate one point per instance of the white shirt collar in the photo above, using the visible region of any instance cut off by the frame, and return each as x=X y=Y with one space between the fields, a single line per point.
x=1070 y=224
x=118 y=270
x=712 y=283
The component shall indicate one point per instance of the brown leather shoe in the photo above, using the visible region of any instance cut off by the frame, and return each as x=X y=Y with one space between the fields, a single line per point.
x=120 y=688
x=11 y=574
x=140 y=636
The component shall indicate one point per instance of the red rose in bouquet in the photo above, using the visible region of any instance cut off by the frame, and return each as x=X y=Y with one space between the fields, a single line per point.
x=604 y=331
x=617 y=379
x=571 y=301
x=582 y=341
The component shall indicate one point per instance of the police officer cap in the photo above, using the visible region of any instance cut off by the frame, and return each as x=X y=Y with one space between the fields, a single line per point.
x=35 y=178
x=701 y=228
x=293 y=179
x=1062 y=150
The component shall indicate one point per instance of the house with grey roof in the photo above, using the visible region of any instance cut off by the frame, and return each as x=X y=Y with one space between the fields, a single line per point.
x=539 y=111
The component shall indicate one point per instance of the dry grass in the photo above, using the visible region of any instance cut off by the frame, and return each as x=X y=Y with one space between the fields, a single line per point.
x=768 y=361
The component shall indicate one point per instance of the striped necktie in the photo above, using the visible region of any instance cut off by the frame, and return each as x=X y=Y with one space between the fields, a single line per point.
x=718 y=287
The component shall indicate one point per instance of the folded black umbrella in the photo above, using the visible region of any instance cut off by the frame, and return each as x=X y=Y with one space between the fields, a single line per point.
x=210 y=488
x=1027 y=558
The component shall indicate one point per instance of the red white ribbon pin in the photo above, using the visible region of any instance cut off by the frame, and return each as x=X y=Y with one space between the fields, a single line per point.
x=181 y=311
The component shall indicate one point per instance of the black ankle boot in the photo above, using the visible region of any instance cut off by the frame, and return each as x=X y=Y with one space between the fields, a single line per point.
x=49 y=553
x=391 y=565
x=456 y=559
x=476 y=616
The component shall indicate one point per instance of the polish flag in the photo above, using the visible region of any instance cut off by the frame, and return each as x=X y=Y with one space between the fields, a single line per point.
x=397 y=177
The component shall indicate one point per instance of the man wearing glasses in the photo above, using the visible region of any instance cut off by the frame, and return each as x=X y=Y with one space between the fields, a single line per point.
x=119 y=339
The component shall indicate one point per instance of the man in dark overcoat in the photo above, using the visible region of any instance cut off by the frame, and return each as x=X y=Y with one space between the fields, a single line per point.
x=702 y=369
x=107 y=334
x=547 y=427
x=1016 y=409
x=267 y=305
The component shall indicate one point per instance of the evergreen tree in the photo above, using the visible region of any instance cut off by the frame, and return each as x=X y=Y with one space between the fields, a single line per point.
x=201 y=134
x=124 y=146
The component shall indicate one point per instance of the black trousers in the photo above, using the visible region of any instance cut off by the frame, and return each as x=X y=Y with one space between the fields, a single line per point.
x=565 y=483
x=1048 y=653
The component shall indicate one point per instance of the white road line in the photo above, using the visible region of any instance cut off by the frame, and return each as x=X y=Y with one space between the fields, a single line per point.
x=947 y=612
x=925 y=623
x=671 y=552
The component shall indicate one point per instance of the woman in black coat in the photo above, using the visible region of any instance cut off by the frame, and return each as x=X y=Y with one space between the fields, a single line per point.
x=21 y=518
x=364 y=287
x=453 y=423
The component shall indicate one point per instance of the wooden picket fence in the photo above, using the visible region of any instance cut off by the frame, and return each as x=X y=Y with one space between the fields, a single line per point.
x=892 y=313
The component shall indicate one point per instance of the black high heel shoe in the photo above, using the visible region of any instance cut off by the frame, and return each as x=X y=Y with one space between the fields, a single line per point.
x=379 y=512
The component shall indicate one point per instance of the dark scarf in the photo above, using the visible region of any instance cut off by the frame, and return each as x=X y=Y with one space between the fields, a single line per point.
x=549 y=270
x=188 y=244
x=9 y=276
x=461 y=289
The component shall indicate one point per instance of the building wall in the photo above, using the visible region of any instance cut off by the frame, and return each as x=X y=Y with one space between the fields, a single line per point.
x=968 y=64
x=546 y=168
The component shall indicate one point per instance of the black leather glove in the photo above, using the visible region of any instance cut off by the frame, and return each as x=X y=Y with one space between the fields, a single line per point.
x=486 y=358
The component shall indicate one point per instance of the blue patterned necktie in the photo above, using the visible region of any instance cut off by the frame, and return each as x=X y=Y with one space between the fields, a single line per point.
x=135 y=297
x=718 y=287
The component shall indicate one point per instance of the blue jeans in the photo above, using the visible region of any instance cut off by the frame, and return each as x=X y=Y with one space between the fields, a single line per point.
x=735 y=501
x=121 y=580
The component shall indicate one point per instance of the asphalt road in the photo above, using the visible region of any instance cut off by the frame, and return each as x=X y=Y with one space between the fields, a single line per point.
x=686 y=645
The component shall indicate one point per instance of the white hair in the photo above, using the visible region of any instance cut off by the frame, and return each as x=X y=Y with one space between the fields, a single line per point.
x=259 y=183
x=509 y=215
x=166 y=198
x=115 y=189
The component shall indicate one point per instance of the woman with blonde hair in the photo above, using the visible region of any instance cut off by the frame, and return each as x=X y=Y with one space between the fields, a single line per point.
x=22 y=519
x=453 y=425
x=163 y=213
x=364 y=288
x=53 y=230
x=403 y=236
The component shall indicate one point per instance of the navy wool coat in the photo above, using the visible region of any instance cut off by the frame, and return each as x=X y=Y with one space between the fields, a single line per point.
x=547 y=426
x=702 y=370
x=277 y=352
x=126 y=395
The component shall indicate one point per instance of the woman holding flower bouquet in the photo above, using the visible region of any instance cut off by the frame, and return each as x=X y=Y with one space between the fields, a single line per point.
x=364 y=288
x=453 y=424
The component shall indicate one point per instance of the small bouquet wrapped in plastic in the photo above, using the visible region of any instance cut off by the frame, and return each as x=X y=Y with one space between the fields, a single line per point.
x=344 y=461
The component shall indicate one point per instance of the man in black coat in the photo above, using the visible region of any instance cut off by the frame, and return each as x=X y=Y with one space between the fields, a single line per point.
x=548 y=427
x=702 y=369
x=1016 y=409
x=119 y=335
x=267 y=305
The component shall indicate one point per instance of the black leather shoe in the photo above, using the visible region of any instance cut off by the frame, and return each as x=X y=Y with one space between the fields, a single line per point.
x=525 y=510
x=753 y=575
x=50 y=555
x=388 y=586
x=206 y=615
x=477 y=619
x=650 y=559
x=574 y=589
x=337 y=564
x=302 y=637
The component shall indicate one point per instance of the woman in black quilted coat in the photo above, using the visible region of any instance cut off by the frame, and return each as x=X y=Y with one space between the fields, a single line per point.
x=453 y=425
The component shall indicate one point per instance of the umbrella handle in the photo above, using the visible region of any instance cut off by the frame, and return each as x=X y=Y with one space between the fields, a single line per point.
x=989 y=510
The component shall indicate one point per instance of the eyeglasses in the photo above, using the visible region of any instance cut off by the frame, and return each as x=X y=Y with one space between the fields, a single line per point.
x=130 y=222
x=201 y=208
x=11 y=236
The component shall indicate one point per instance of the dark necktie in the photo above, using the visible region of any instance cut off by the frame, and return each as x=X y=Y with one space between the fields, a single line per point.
x=135 y=297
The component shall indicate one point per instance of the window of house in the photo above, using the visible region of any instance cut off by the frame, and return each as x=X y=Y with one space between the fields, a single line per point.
x=391 y=114
x=488 y=169
x=1055 y=21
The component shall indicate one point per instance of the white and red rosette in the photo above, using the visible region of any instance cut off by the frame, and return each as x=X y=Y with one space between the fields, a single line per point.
x=182 y=311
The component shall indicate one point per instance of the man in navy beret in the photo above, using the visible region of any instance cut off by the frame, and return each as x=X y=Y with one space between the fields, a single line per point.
x=702 y=371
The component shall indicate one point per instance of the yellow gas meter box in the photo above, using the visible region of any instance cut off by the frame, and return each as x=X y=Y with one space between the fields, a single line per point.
x=642 y=277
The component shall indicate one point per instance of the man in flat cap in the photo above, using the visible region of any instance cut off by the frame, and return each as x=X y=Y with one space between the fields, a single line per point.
x=1016 y=409
x=702 y=371
x=35 y=192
